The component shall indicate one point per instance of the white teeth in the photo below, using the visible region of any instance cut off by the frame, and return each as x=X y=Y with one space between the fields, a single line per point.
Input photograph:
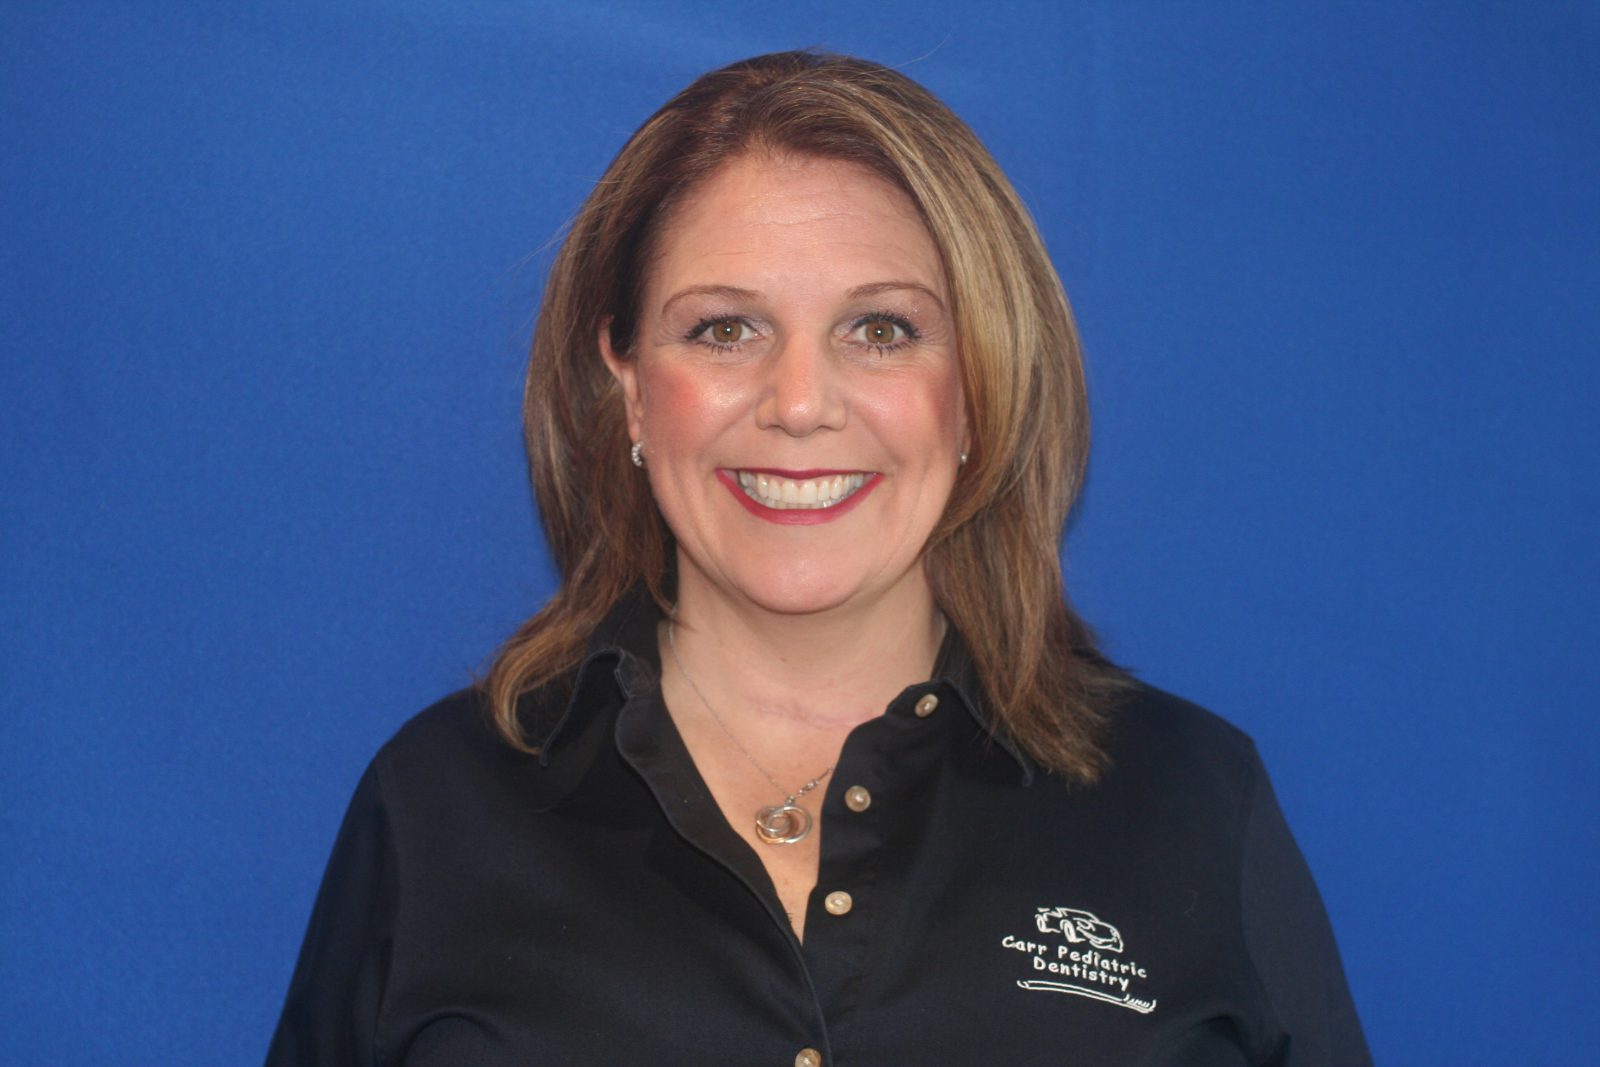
x=784 y=494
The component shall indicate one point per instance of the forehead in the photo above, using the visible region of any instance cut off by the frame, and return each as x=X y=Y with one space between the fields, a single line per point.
x=774 y=219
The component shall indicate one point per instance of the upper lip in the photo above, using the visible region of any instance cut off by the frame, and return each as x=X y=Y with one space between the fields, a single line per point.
x=801 y=476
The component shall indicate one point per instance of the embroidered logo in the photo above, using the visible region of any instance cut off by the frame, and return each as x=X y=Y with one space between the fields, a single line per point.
x=1090 y=956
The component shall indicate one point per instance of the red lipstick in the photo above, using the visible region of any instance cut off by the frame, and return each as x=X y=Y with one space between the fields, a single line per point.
x=797 y=516
x=799 y=476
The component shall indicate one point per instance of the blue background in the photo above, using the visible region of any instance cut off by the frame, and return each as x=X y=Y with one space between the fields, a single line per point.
x=269 y=271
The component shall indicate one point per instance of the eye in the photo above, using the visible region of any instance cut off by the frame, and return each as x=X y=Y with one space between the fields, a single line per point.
x=880 y=332
x=883 y=332
x=722 y=333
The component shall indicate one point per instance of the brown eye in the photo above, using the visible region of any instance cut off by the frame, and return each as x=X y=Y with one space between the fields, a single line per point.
x=726 y=332
x=882 y=332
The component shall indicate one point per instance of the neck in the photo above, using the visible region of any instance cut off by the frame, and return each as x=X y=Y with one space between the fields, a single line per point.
x=828 y=670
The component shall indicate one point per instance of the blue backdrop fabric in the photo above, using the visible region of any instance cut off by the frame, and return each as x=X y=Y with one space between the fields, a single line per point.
x=269 y=271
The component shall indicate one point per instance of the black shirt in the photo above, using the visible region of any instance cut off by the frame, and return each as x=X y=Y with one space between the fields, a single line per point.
x=592 y=905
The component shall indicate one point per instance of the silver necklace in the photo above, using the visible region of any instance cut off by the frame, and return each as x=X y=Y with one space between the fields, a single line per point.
x=776 y=824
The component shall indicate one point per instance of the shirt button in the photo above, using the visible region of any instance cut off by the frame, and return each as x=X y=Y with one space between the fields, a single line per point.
x=856 y=798
x=926 y=705
x=838 y=902
x=808 y=1057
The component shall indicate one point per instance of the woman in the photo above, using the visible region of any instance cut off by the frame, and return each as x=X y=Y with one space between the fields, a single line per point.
x=808 y=761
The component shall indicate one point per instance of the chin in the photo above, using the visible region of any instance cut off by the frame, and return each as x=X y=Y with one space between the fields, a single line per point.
x=797 y=592
x=791 y=600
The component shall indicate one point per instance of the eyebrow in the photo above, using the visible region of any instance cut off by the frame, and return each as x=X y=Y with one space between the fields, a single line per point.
x=733 y=292
x=726 y=292
x=874 y=288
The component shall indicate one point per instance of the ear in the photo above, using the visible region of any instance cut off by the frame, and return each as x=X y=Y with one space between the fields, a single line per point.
x=626 y=372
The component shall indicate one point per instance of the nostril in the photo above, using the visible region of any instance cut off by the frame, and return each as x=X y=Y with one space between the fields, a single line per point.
x=803 y=394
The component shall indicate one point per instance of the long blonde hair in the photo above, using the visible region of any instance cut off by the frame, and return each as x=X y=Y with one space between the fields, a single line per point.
x=993 y=559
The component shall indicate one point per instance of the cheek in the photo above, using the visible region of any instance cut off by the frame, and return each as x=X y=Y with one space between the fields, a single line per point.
x=926 y=411
x=684 y=407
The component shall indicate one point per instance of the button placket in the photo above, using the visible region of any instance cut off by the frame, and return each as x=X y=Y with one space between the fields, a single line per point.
x=863 y=841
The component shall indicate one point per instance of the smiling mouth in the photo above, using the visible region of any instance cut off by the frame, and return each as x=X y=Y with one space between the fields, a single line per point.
x=800 y=494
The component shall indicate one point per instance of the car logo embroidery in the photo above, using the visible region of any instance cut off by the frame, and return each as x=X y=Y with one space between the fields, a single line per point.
x=1090 y=955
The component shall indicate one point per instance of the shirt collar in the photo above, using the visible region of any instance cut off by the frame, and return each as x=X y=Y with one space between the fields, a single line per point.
x=623 y=661
x=954 y=668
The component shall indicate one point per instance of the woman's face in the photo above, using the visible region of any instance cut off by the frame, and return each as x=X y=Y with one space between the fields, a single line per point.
x=796 y=385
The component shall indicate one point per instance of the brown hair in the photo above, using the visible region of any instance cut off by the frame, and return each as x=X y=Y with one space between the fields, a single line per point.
x=993 y=559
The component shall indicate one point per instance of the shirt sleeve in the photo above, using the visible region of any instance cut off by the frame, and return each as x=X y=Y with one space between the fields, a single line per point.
x=1291 y=943
x=331 y=1012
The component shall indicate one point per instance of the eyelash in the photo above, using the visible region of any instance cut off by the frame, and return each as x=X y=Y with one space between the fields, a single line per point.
x=911 y=334
x=697 y=332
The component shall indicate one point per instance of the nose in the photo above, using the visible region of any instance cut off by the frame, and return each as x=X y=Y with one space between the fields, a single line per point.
x=803 y=390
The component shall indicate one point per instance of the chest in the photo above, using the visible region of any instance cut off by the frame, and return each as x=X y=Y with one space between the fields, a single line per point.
x=635 y=925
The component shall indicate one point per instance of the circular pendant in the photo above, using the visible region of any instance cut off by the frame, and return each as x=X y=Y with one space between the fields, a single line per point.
x=782 y=824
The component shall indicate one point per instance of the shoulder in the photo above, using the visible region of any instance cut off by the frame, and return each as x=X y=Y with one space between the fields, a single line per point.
x=452 y=759
x=458 y=728
x=448 y=755
x=1172 y=752
x=1155 y=724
